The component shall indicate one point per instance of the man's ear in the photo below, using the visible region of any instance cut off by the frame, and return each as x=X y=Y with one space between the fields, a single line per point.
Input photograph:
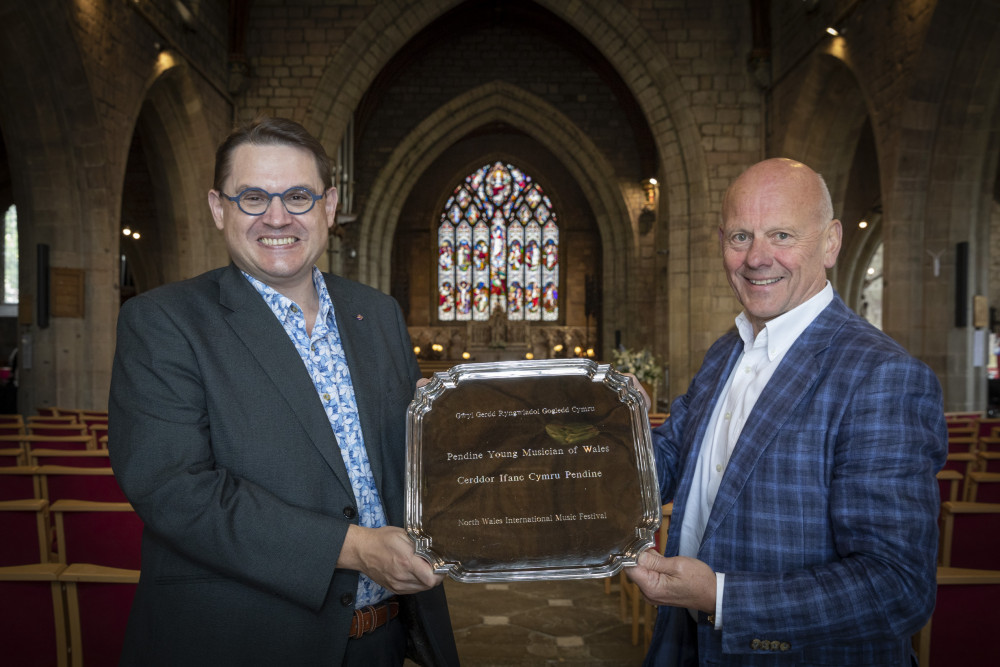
x=215 y=204
x=834 y=237
x=330 y=207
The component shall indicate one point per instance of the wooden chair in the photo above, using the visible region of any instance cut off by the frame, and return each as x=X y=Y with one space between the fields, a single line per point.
x=11 y=425
x=51 y=419
x=30 y=442
x=985 y=425
x=98 y=429
x=631 y=601
x=962 y=463
x=949 y=482
x=983 y=487
x=970 y=535
x=98 y=600
x=91 y=458
x=58 y=429
x=19 y=482
x=960 y=630
x=988 y=461
x=32 y=616
x=962 y=443
x=108 y=534
x=24 y=528
x=13 y=456
x=78 y=483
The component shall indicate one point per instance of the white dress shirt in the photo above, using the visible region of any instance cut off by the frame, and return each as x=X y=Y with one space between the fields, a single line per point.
x=760 y=358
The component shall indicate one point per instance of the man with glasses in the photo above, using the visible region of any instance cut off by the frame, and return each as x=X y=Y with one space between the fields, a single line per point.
x=257 y=425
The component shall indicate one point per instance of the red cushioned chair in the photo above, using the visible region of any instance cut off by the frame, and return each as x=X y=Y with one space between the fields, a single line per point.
x=108 y=534
x=970 y=535
x=960 y=631
x=79 y=483
x=24 y=531
x=32 y=616
x=98 y=600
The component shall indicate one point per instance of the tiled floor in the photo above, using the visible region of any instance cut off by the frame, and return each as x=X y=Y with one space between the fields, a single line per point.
x=571 y=623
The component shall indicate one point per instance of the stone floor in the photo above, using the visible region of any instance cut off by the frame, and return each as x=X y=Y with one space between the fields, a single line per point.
x=541 y=623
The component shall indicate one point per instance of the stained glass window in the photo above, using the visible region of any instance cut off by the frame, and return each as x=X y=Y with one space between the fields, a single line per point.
x=498 y=249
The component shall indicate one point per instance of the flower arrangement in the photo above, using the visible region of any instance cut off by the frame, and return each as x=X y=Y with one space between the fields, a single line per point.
x=640 y=362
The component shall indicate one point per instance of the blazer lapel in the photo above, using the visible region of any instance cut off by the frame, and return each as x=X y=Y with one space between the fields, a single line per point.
x=360 y=348
x=716 y=372
x=255 y=325
x=791 y=382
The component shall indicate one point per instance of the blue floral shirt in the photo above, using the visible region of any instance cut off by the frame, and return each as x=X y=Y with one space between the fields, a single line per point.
x=326 y=362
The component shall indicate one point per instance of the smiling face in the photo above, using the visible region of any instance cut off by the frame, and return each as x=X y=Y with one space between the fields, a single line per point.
x=277 y=247
x=778 y=238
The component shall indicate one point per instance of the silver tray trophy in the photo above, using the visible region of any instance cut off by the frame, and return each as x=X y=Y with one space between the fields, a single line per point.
x=527 y=470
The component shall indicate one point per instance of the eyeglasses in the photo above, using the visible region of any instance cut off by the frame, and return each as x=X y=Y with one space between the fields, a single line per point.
x=255 y=201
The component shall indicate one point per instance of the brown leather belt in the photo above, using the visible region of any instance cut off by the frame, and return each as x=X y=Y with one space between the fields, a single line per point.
x=371 y=617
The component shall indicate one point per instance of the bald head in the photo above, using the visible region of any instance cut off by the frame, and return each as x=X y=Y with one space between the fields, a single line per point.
x=787 y=179
x=778 y=237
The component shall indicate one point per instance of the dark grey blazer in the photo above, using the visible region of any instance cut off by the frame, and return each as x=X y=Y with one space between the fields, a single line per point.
x=221 y=444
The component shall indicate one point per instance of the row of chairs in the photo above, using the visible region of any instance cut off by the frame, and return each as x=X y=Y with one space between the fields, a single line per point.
x=81 y=423
x=69 y=531
x=64 y=615
x=58 y=482
x=70 y=547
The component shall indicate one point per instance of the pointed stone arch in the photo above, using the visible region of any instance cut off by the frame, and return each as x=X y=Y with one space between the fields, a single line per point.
x=686 y=210
x=181 y=157
x=495 y=101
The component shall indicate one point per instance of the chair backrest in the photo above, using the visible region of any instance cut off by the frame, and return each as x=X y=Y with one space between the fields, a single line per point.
x=24 y=528
x=79 y=483
x=984 y=487
x=58 y=429
x=32 y=616
x=949 y=482
x=51 y=419
x=12 y=456
x=19 y=482
x=98 y=600
x=91 y=458
x=962 y=443
x=959 y=631
x=989 y=461
x=108 y=534
x=970 y=535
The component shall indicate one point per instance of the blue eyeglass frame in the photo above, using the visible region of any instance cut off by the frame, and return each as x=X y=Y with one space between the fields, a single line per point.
x=270 y=197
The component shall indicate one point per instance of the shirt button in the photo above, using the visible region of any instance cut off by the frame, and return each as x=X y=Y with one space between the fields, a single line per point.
x=729 y=415
x=326 y=397
x=294 y=308
x=349 y=512
x=347 y=599
x=718 y=467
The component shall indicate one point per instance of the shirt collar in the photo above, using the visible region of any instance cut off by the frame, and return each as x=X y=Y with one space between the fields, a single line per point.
x=779 y=334
x=281 y=305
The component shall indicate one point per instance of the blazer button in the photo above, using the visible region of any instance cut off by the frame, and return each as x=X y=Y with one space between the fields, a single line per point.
x=347 y=599
x=349 y=512
x=785 y=646
x=755 y=644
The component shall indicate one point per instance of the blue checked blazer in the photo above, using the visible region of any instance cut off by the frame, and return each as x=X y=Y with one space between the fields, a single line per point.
x=825 y=521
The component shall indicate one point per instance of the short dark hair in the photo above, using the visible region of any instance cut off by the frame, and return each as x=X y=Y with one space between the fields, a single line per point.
x=270 y=131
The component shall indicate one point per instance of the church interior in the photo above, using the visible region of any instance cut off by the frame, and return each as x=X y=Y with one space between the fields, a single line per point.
x=529 y=179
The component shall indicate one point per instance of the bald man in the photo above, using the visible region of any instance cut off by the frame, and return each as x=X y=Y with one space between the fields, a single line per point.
x=801 y=461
